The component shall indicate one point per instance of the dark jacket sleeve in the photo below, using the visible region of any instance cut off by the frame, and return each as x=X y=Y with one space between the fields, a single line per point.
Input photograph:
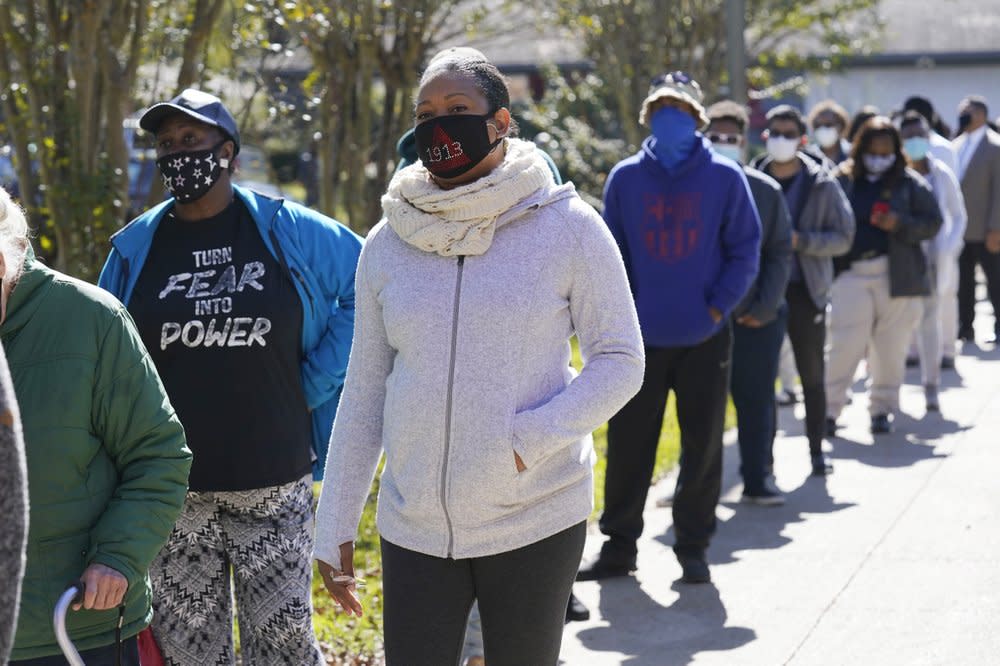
x=144 y=439
x=922 y=220
x=740 y=239
x=13 y=508
x=775 y=255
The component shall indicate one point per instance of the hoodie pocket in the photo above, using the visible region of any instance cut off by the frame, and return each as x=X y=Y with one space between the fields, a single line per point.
x=566 y=467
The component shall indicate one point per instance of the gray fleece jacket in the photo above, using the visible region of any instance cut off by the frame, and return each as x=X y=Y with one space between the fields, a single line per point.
x=458 y=363
x=13 y=508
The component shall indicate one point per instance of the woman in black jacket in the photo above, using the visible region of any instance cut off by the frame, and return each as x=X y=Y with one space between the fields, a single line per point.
x=876 y=296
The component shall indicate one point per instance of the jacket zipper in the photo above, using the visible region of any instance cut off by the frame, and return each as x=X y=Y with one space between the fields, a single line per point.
x=448 y=404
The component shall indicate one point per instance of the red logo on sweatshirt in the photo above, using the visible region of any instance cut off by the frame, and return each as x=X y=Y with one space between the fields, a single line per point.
x=671 y=225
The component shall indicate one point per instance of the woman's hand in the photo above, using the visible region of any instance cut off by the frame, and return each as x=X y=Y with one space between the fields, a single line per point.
x=886 y=221
x=519 y=463
x=341 y=584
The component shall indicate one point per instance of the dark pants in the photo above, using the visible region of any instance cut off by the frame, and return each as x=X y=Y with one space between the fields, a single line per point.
x=699 y=377
x=522 y=598
x=972 y=254
x=807 y=333
x=755 y=369
x=102 y=656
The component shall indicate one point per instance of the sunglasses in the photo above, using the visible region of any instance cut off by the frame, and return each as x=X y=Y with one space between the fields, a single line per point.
x=790 y=134
x=731 y=139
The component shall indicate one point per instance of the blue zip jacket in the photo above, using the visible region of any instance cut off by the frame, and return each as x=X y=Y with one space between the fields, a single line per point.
x=321 y=254
x=690 y=237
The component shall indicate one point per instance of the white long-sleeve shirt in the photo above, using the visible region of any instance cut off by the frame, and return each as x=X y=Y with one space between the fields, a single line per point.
x=950 y=239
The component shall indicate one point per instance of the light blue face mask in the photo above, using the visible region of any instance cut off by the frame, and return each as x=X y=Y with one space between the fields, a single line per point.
x=917 y=147
x=675 y=134
x=734 y=153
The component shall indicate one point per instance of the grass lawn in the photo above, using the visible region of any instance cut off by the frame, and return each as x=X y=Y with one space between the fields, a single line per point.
x=349 y=641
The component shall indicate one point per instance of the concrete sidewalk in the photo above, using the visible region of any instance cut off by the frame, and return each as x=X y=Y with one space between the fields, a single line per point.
x=893 y=559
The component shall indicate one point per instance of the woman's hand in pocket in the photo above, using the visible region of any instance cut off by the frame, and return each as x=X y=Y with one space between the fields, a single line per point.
x=519 y=463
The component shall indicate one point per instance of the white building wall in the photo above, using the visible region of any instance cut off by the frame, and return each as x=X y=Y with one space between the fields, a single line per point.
x=888 y=87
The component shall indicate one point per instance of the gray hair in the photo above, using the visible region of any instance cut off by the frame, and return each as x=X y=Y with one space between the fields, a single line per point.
x=13 y=235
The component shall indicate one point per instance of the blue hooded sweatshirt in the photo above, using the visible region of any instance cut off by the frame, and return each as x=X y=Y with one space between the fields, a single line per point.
x=690 y=238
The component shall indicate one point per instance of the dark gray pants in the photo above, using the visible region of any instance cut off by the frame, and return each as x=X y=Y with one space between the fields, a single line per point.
x=522 y=600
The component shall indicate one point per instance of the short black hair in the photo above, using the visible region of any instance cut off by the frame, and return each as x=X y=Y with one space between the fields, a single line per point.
x=977 y=102
x=727 y=109
x=921 y=105
x=787 y=112
x=829 y=106
x=484 y=74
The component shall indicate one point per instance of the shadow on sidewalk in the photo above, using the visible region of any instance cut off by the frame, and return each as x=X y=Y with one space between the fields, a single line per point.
x=694 y=623
x=761 y=528
x=908 y=445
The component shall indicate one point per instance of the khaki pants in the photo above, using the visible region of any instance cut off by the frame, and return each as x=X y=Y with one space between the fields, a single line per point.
x=864 y=317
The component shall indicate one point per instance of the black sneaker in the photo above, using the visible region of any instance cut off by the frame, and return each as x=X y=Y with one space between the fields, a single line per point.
x=694 y=569
x=912 y=361
x=947 y=362
x=767 y=495
x=881 y=424
x=966 y=334
x=820 y=465
x=576 y=611
x=831 y=427
x=786 y=398
x=605 y=566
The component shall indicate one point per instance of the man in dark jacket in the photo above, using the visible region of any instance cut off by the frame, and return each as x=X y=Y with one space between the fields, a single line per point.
x=106 y=456
x=822 y=228
x=689 y=234
x=760 y=317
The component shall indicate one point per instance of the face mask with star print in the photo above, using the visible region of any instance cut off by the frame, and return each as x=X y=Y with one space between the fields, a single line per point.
x=188 y=176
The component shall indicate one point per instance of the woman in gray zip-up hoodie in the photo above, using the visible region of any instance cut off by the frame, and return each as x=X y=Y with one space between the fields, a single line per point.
x=467 y=296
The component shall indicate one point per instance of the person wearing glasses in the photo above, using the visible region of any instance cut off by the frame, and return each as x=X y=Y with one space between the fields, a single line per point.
x=760 y=317
x=822 y=228
x=688 y=229
x=829 y=122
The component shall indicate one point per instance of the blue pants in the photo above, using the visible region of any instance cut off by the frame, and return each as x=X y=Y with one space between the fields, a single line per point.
x=755 y=368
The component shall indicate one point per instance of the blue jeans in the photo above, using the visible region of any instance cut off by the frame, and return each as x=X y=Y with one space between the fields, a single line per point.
x=755 y=368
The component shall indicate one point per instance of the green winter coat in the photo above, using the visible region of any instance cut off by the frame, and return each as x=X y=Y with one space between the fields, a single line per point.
x=107 y=460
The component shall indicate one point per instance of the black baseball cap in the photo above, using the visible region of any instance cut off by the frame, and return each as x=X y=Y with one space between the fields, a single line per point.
x=202 y=106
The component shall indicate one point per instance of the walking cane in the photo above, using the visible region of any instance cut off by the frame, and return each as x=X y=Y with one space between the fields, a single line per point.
x=72 y=595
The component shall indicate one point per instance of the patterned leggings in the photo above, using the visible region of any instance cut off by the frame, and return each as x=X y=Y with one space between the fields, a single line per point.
x=264 y=539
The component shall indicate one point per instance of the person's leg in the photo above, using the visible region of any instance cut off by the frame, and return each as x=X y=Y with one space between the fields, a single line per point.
x=522 y=598
x=192 y=598
x=929 y=338
x=701 y=387
x=269 y=538
x=948 y=307
x=426 y=606
x=633 y=435
x=895 y=319
x=967 y=289
x=102 y=656
x=991 y=268
x=807 y=333
x=852 y=318
x=787 y=373
x=755 y=361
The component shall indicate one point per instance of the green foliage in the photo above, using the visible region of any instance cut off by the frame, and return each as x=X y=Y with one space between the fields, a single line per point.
x=572 y=124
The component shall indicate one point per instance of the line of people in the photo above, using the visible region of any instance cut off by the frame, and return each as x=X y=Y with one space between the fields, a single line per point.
x=444 y=337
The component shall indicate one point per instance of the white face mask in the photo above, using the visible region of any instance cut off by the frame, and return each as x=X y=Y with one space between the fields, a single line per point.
x=826 y=137
x=734 y=153
x=876 y=165
x=782 y=149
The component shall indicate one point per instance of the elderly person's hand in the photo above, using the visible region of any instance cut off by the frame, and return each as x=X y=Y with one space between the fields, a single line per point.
x=105 y=588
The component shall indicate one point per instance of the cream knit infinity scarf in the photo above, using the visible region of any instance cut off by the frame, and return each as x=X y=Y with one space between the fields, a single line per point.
x=462 y=221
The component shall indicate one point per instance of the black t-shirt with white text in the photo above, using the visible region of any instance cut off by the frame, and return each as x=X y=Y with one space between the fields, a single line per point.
x=223 y=323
